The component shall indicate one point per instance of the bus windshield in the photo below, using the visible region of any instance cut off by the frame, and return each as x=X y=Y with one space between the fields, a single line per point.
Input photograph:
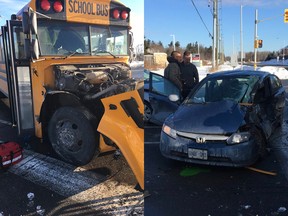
x=62 y=38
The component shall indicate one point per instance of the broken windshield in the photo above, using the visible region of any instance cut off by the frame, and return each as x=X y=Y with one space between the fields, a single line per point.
x=237 y=89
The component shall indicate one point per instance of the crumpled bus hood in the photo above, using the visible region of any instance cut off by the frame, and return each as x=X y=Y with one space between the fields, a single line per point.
x=122 y=122
x=223 y=117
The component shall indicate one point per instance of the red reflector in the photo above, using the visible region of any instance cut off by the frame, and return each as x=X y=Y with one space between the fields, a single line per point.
x=58 y=7
x=116 y=14
x=45 y=5
x=124 y=15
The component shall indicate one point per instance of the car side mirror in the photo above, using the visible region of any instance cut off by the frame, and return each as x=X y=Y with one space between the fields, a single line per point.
x=174 y=98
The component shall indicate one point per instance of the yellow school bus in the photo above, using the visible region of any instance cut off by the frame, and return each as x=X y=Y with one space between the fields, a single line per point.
x=65 y=75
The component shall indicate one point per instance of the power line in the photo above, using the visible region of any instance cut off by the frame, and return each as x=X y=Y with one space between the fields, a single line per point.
x=202 y=19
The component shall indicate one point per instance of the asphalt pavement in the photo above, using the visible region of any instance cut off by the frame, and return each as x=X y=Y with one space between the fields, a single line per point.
x=177 y=188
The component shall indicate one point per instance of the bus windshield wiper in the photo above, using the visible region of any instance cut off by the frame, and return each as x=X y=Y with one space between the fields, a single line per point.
x=74 y=53
x=104 y=51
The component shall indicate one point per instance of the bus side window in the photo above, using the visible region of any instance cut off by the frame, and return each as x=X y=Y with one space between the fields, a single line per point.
x=19 y=42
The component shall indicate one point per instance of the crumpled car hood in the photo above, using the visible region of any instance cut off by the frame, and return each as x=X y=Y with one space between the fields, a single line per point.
x=223 y=117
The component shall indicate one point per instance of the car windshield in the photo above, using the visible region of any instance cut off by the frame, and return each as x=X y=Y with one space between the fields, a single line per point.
x=215 y=89
x=146 y=76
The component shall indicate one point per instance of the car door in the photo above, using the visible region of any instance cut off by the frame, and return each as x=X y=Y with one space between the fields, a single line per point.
x=277 y=97
x=159 y=90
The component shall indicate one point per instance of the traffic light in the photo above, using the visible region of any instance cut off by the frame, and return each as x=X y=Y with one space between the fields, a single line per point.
x=260 y=43
x=286 y=16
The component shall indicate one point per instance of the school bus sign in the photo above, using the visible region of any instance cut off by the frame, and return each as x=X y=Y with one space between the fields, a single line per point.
x=80 y=11
x=101 y=12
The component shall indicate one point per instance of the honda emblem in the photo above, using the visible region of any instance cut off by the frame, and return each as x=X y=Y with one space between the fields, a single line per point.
x=200 y=139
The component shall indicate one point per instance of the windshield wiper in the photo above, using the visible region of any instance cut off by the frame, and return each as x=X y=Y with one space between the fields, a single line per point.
x=104 y=51
x=71 y=54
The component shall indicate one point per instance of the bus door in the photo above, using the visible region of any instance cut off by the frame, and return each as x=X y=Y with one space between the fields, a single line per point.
x=18 y=77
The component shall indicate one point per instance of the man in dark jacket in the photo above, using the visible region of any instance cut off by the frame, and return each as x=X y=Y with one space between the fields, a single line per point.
x=189 y=74
x=172 y=71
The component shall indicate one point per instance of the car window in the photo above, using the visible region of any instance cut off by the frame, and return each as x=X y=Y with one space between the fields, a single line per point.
x=275 y=83
x=237 y=89
x=146 y=76
x=163 y=86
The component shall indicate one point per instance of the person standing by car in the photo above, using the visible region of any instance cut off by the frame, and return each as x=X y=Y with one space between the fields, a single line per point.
x=172 y=72
x=189 y=74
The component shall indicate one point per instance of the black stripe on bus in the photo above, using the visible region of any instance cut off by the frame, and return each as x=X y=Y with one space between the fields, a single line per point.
x=130 y=107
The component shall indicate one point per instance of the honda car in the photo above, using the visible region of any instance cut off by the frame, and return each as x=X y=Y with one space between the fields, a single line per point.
x=225 y=120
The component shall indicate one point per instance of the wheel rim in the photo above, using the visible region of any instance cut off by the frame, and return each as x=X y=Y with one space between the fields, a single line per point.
x=147 y=112
x=69 y=135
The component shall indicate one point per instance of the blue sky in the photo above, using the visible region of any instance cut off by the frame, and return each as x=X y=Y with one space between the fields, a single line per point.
x=8 y=7
x=168 y=17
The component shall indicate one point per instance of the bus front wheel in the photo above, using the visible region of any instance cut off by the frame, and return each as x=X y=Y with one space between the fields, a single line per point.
x=72 y=136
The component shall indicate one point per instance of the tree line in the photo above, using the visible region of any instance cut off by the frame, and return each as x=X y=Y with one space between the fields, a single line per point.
x=151 y=46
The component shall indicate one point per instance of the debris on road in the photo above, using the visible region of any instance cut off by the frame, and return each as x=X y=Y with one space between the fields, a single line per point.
x=262 y=171
x=281 y=209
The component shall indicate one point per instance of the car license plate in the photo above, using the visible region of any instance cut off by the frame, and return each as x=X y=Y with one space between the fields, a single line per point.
x=198 y=154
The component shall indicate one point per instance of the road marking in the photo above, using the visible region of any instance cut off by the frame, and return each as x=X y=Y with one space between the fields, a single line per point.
x=54 y=174
x=151 y=143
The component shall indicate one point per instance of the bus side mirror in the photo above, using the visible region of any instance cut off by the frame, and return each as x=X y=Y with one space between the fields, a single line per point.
x=33 y=19
x=29 y=22
x=25 y=23
x=29 y=26
x=131 y=49
x=35 y=49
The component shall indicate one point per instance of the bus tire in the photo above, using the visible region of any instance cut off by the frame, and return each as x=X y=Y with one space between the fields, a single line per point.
x=72 y=135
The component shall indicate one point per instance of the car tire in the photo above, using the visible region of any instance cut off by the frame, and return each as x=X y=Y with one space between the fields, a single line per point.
x=260 y=142
x=147 y=111
x=72 y=135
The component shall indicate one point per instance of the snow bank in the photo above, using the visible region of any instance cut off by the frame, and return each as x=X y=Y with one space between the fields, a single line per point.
x=137 y=64
x=275 y=62
x=281 y=72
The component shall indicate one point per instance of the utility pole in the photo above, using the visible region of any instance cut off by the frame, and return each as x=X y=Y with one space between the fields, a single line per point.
x=241 y=36
x=217 y=33
x=215 y=11
x=255 y=39
x=173 y=42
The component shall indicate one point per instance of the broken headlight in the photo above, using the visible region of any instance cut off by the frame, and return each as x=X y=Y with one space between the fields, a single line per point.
x=238 y=138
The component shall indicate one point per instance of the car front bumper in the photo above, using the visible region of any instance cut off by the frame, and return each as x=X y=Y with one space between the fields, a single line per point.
x=217 y=153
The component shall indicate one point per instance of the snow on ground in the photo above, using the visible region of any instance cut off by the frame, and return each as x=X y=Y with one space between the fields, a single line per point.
x=137 y=64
